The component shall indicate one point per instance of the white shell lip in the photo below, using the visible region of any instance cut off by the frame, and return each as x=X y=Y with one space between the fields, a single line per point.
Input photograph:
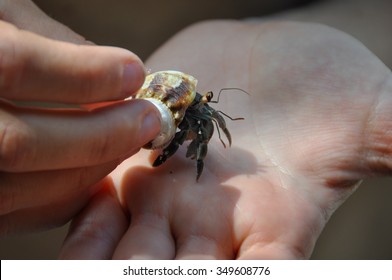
x=168 y=128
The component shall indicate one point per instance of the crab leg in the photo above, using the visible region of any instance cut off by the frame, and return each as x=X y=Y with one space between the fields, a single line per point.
x=201 y=154
x=222 y=124
x=167 y=152
x=204 y=135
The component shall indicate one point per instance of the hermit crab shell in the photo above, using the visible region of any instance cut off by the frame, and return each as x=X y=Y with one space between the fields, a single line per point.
x=171 y=92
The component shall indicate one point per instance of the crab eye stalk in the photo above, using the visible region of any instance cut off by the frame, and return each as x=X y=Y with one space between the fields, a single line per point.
x=207 y=97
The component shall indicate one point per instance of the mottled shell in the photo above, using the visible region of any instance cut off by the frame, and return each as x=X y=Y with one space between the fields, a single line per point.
x=171 y=92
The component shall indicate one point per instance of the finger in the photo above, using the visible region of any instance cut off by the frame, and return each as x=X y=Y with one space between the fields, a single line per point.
x=199 y=247
x=32 y=140
x=35 y=68
x=53 y=214
x=149 y=237
x=212 y=239
x=258 y=251
x=255 y=250
x=96 y=231
x=26 y=190
x=26 y=15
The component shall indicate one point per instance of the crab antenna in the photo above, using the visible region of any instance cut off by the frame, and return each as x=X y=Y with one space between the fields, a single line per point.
x=223 y=89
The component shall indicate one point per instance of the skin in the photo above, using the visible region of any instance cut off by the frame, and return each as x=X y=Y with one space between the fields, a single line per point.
x=39 y=147
x=316 y=123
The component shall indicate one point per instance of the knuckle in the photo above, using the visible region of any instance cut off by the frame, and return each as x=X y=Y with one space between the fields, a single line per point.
x=6 y=224
x=11 y=62
x=82 y=179
x=102 y=149
x=89 y=229
x=15 y=143
x=91 y=82
x=7 y=198
x=86 y=84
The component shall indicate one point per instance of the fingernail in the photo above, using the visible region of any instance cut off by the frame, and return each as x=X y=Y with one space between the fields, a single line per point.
x=151 y=126
x=133 y=78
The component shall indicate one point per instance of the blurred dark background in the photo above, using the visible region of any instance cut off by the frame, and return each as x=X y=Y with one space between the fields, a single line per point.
x=361 y=228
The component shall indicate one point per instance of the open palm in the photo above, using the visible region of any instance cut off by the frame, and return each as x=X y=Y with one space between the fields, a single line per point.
x=317 y=121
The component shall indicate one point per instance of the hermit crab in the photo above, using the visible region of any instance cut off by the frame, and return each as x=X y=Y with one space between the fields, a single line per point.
x=185 y=116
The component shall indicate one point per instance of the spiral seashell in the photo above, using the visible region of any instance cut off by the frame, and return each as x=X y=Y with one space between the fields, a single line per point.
x=171 y=92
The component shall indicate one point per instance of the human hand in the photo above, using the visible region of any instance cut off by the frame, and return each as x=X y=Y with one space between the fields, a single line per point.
x=51 y=159
x=316 y=123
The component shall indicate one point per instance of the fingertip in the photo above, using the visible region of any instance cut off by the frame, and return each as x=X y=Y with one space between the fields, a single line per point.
x=132 y=73
x=149 y=120
x=117 y=73
x=133 y=77
x=140 y=122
